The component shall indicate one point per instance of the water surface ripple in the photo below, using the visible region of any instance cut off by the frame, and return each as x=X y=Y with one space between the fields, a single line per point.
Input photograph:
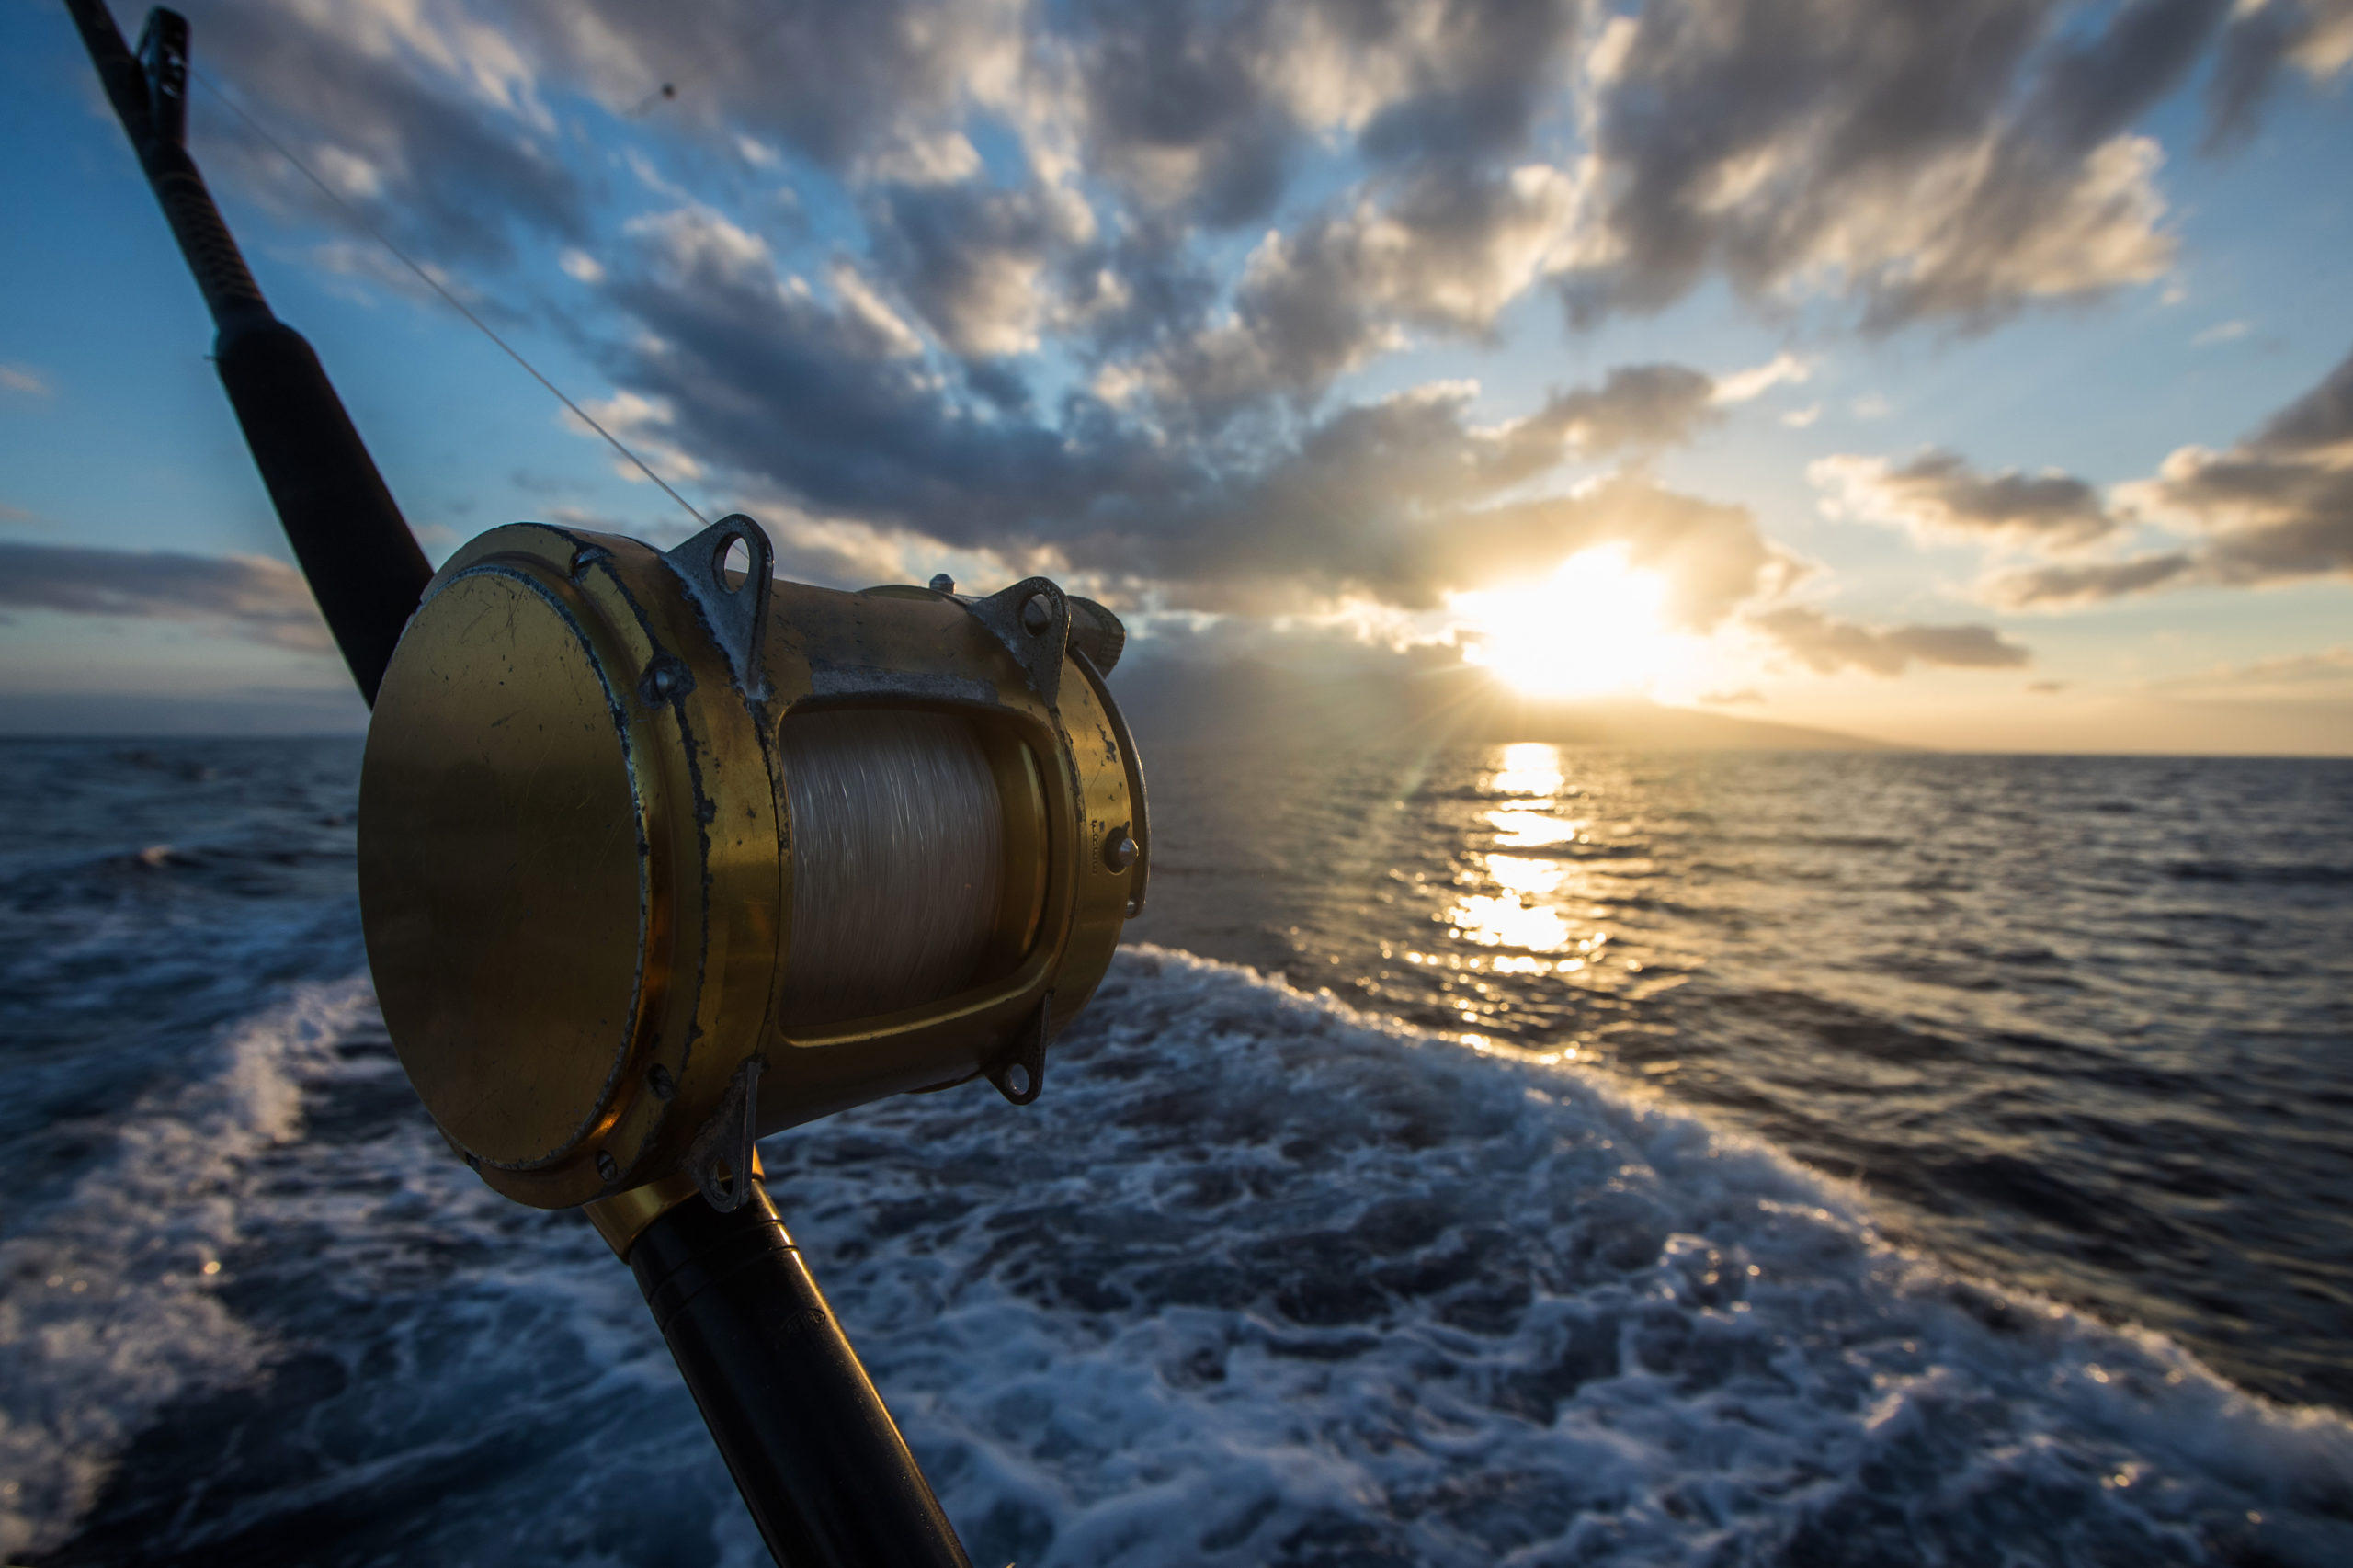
x=1497 y=1254
x=2086 y=1023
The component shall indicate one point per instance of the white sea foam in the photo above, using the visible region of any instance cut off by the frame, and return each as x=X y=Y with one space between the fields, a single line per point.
x=1257 y=1280
x=108 y=1299
x=1264 y=1281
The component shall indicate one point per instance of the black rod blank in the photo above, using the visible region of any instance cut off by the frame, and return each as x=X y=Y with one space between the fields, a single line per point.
x=363 y=564
x=820 y=1462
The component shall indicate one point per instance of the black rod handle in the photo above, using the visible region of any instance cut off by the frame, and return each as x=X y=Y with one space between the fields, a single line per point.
x=820 y=1462
x=363 y=564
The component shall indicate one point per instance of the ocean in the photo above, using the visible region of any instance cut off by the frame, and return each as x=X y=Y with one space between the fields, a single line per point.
x=1477 y=1156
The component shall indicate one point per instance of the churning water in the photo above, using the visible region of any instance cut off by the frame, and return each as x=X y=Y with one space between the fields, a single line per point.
x=1821 y=1160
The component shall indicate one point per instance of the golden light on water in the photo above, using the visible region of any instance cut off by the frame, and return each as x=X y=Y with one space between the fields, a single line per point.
x=1531 y=830
x=1518 y=916
x=1523 y=914
x=1595 y=625
x=1531 y=768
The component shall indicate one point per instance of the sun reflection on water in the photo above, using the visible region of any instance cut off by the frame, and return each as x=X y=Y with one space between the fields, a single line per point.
x=1517 y=873
x=1514 y=918
x=1532 y=830
x=1523 y=915
x=1530 y=768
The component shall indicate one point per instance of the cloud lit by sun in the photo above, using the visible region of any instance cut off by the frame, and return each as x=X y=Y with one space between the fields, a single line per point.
x=1595 y=626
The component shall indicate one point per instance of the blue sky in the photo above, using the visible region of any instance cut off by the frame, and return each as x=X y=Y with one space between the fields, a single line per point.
x=1963 y=380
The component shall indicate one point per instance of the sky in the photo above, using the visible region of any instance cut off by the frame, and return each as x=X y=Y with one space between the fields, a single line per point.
x=1975 y=375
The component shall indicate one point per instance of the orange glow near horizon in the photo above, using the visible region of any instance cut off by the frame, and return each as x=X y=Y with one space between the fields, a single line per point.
x=1595 y=625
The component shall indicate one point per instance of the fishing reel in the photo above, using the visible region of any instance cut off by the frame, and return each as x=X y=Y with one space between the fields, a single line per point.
x=659 y=854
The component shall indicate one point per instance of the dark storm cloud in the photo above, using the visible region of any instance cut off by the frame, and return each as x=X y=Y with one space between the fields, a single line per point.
x=262 y=600
x=1827 y=645
x=1941 y=160
x=1938 y=491
x=2277 y=506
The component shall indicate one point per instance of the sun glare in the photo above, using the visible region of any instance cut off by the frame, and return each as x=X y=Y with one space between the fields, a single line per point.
x=1594 y=626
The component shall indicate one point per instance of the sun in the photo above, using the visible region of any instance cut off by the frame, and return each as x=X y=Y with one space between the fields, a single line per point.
x=1595 y=625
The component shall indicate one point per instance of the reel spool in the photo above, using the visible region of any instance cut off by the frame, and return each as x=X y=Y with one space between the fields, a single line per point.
x=657 y=857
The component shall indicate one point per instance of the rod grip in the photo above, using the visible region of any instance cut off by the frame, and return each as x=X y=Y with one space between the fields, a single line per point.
x=821 y=1464
x=363 y=564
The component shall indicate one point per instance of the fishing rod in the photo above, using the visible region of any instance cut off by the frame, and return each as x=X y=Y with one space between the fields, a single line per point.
x=660 y=854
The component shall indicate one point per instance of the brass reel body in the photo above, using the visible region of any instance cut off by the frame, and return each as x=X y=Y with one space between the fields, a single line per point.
x=644 y=846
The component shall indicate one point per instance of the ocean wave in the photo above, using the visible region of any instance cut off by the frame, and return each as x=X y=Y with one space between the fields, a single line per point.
x=1259 y=1280
x=1272 y=1281
x=109 y=1298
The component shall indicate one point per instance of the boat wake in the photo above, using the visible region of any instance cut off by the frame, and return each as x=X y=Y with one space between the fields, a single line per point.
x=1257 y=1280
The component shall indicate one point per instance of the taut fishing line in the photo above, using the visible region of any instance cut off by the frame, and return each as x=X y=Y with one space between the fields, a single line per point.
x=435 y=284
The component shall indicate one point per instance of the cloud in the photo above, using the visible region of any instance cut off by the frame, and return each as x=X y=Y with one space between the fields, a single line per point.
x=2065 y=586
x=25 y=379
x=813 y=397
x=1075 y=284
x=1366 y=512
x=973 y=259
x=1204 y=107
x=2289 y=682
x=2276 y=507
x=1826 y=645
x=1951 y=161
x=2327 y=667
x=429 y=120
x=1423 y=162
x=2314 y=36
x=1181 y=118
x=251 y=597
x=443 y=123
x=1397 y=500
x=1938 y=493
x=1444 y=254
x=474 y=92
x=2222 y=332
x=1948 y=163
x=1743 y=385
